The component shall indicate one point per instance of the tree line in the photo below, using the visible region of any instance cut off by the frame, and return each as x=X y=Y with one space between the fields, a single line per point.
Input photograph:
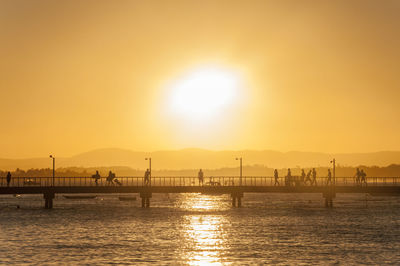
x=248 y=170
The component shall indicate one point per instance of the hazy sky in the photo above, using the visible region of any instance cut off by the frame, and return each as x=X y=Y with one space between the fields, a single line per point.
x=310 y=75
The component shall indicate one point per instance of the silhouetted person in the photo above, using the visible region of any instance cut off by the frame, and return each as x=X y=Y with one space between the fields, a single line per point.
x=8 y=179
x=276 y=177
x=110 y=178
x=303 y=177
x=363 y=177
x=358 y=176
x=147 y=177
x=96 y=178
x=329 y=178
x=289 y=177
x=201 y=177
x=314 y=177
x=308 y=178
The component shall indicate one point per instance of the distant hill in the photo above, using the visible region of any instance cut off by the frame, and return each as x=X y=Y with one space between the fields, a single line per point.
x=199 y=158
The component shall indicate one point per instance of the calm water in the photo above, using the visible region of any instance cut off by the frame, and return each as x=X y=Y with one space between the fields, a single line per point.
x=201 y=229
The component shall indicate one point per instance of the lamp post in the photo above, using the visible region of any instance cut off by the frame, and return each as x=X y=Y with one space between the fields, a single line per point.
x=54 y=165
x=333 y=162
x=241 y=170
x=149 y=159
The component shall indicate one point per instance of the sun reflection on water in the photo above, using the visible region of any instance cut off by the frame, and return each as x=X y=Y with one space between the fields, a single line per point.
x=204 y=233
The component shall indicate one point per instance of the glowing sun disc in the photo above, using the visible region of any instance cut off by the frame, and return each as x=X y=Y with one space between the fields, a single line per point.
x=204 y=92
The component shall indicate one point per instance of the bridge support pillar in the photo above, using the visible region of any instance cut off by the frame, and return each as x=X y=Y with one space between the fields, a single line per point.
x=237 y=198
x=328 y=202
x=233 y=201
x=143 y=202
x=145 y=199
x=48 y=200
x=329 y=195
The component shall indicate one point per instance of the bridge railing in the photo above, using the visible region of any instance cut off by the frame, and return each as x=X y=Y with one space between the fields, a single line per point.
x=193 y=181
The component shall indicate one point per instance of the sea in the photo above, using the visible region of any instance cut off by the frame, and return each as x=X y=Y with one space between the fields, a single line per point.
x=197 y=229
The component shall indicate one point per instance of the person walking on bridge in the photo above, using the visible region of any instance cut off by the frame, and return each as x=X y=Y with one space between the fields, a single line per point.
x=96 y=177
x=147 y=177
x=329 y=178
x=357 y=176
x=110 y=178
x=201 y=177
x=289 y=178
x=308 y=178
x=8 y=179
x=314 y=177
x=303 y=177
x=363 y=176
x=276 y=177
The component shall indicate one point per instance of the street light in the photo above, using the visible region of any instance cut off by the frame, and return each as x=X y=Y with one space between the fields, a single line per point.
x=241 y=170
x=54 y=165
x=333 y=162
x=149 y=159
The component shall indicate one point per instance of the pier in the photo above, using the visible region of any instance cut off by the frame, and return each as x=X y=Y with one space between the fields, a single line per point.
x=236 y=187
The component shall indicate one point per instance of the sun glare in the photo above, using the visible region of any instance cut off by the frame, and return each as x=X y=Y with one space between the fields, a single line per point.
x=204 y=93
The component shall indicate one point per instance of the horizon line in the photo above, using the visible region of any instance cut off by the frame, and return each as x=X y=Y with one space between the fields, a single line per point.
x=199 y=149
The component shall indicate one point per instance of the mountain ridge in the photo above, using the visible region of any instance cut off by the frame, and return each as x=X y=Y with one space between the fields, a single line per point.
x=191 y=158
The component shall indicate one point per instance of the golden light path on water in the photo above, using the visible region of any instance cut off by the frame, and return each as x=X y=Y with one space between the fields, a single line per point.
x=204 y=230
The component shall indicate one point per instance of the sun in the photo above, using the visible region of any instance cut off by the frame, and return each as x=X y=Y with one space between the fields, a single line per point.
x=204 y=93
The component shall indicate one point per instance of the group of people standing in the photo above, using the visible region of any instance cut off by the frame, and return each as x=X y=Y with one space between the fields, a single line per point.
x=361 y=177
x=310 y=178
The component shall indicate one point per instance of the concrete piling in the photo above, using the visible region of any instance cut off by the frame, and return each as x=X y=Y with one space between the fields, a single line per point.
x=329 y=194
x=146 y=195
x=143 y=201
x=48 y=200
x=237 y=199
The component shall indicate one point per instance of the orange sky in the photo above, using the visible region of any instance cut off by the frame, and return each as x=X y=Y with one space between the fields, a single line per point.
x=315 y=75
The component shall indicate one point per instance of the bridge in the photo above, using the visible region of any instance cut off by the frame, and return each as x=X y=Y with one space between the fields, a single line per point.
x=235 y=186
